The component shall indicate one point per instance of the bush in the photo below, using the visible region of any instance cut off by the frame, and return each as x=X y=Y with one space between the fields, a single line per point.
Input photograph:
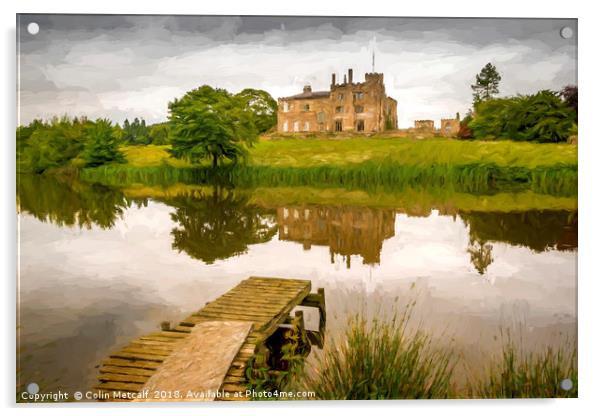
x=542 y=117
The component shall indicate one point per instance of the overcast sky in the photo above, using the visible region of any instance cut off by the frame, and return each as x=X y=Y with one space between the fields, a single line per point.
x=132 y=66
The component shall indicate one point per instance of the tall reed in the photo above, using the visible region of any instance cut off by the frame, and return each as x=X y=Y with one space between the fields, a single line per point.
x=517 y=373
x=473 y=178
x=382 y=360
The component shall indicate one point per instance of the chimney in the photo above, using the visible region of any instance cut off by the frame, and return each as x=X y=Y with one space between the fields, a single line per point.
x=306 y=89
x=344 y=79
x=350 y=77
x=334 y=79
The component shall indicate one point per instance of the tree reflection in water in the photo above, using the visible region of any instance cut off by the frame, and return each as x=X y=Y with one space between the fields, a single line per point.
x=219 y=224
x=481 y=255
x=68 y=202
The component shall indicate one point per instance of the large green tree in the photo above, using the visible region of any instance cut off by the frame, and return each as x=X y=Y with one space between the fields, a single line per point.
x=210 y=123
x=486 y=84
x=263 y=107
x=102 y=145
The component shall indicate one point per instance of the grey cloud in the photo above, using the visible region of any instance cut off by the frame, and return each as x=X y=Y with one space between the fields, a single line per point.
x=126 y=66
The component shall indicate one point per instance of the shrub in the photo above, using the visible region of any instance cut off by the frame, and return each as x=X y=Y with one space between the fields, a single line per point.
x=542 y=117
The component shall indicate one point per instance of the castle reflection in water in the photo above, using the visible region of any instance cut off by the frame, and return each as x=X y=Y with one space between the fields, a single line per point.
x=347 y=231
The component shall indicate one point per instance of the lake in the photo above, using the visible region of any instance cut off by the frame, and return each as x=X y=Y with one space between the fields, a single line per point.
x=99 y=266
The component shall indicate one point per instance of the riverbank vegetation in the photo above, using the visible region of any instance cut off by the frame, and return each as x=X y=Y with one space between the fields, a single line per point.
x=384 y=359
x=363 y=163
x=212 y=136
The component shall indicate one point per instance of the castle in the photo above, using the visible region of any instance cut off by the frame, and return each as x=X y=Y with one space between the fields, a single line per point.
x=359 y=107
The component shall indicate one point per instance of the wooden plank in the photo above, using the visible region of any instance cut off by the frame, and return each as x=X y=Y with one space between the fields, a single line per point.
x=120 y=362
x=236 y=304
x=127 y=378
x=246 y=311
x=235 y=379
x=153 y=344
x=126 y=370
x=150 y=351
x=255 y=300
x=168 y=334
x=137 y=356
x=234 y=388
x=165 y=340
x=119 y=386
x=233 y=317
x=258 y=296
x=278 y=279
x=180 y=330
x=199 y=366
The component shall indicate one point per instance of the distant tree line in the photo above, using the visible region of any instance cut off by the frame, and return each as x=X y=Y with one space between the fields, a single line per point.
x=546 y=116
x=205 y=123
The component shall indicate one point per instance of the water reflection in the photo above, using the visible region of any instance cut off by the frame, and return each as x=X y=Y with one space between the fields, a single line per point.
x=481 y=255
x=111 y=279
x=347 y=231
x=537 y=230
x=218 y=225
x=69 y=203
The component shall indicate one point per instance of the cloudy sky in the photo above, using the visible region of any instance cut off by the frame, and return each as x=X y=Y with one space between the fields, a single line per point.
x=132 y=66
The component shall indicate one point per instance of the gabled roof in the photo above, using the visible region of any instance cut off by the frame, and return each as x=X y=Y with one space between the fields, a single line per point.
x=308 y=95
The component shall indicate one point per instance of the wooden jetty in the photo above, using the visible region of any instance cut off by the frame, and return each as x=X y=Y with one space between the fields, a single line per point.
x=220 y=341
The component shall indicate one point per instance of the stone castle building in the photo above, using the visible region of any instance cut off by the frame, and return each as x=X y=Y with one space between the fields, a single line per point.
x=359 y=107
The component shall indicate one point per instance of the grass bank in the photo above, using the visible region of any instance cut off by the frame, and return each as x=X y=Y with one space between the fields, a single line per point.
x=366 y=163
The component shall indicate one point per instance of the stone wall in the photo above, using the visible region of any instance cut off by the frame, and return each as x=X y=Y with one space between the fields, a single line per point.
x=450 y=127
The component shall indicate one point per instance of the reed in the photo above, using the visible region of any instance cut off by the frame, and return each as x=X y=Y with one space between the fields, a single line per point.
x=382 y=360
x=474 y=178
x=517 y=373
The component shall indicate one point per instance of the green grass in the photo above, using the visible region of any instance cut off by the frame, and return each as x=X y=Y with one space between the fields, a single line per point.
x=366 y=163
x=151 y=156
x=409 y=152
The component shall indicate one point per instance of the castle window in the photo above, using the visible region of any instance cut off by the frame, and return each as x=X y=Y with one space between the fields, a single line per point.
x=341 y=97
x=360 y=125
x=339 y=109
x=359 y=108
x=285 y=107
x=306 y=107
x=296 y=126
x=306 y=126
x=338 y=125
x=321 y=117
x=285 y=126
x=358 y=95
